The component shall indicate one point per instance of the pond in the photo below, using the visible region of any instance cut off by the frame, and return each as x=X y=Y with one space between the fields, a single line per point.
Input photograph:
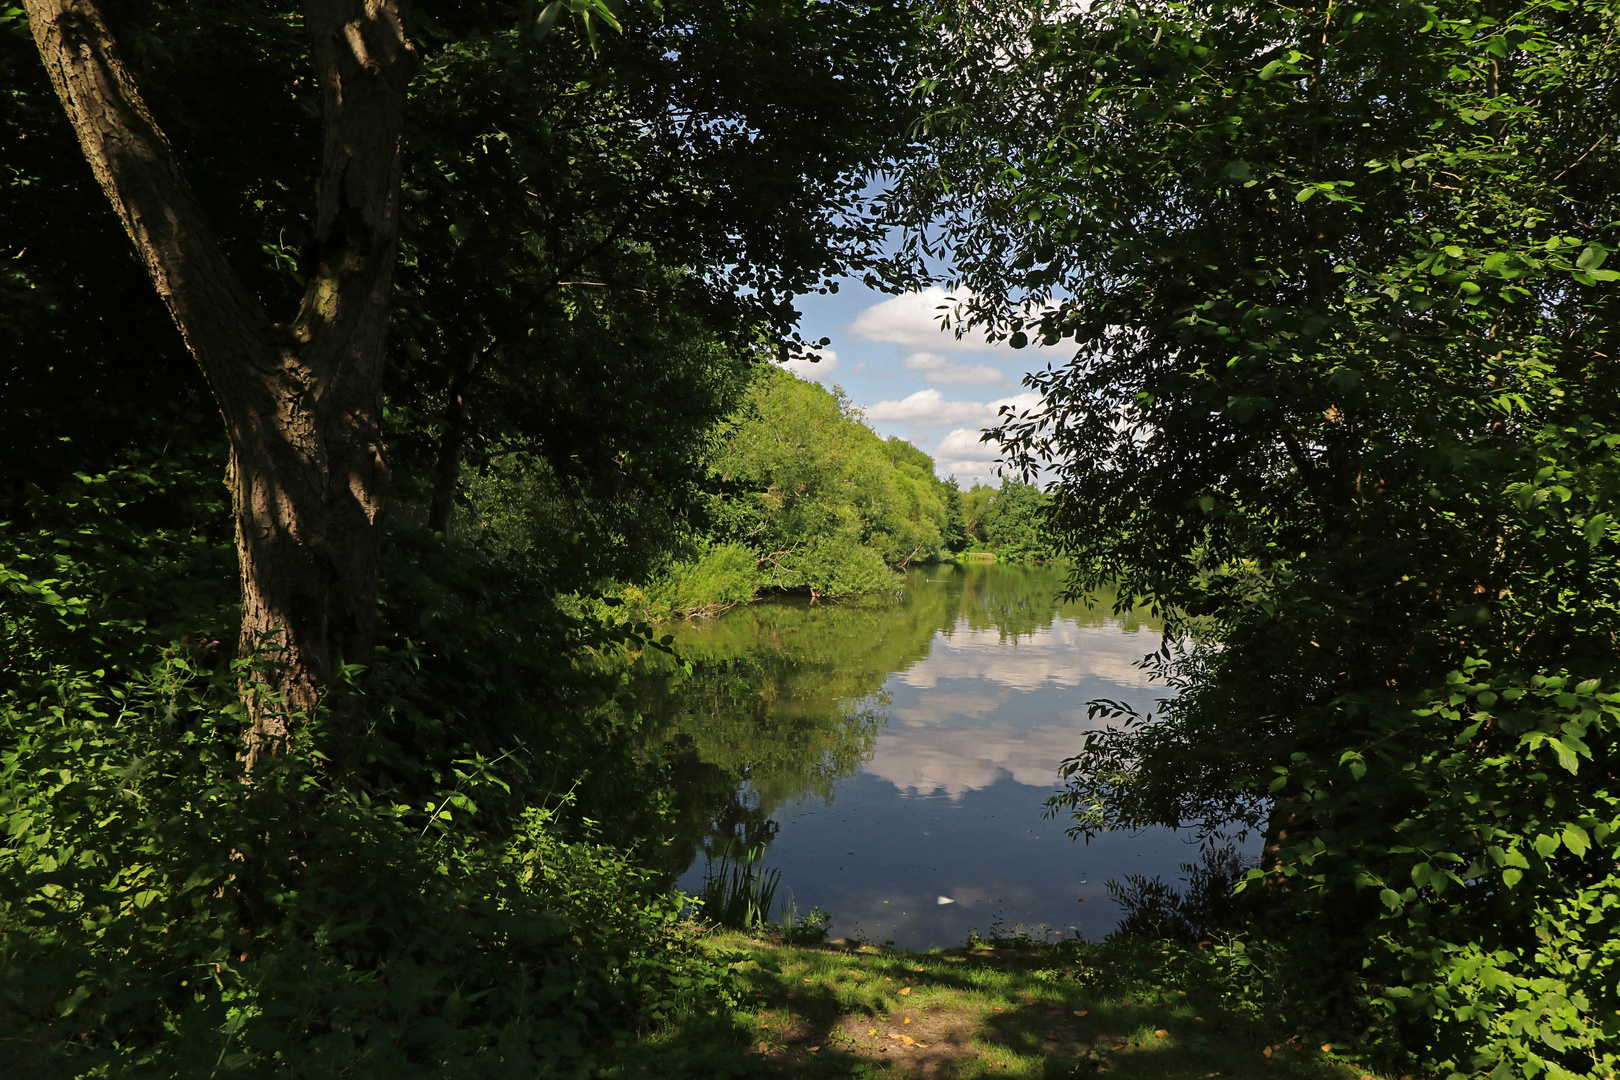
x=893 y=757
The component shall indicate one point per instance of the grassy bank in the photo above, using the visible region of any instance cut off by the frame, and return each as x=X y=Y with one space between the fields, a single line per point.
x=1073 y=1009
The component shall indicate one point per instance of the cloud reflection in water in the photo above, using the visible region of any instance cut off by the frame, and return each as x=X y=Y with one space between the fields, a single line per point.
x=984 y=705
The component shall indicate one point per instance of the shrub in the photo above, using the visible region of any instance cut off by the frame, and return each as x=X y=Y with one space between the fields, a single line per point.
x=720 y=576
x=161 y=917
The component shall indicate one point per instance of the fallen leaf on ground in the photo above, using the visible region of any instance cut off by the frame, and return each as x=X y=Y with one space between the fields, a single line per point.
x=813 y=1049
x=903 y=993
x=1161 y=1033
x=908 y=1040
x=1080 y=1012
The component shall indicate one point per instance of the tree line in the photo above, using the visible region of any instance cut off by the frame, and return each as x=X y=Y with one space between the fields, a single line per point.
x=798 y=495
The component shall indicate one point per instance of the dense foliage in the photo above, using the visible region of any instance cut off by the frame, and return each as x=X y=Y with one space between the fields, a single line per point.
x=602 y=229
x=602 y=234
x=433 y=904
x=826 y=503
x=1342 y=405
x=1013 y=522
x=796 y=494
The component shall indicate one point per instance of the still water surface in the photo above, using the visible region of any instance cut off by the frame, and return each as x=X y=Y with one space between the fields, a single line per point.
x=893 y=755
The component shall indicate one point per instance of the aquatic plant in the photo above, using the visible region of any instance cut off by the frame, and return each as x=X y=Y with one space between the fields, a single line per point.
x=804 y=928
x=742 y=893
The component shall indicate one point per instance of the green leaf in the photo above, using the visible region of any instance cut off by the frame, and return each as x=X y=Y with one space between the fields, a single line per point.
x=1592 y=257
x=1566 y=755
x=1391 y=899
x=547 y=19
x=1511 y=876
x=1576 y=840
x=1304 y=194
x=1596 y=526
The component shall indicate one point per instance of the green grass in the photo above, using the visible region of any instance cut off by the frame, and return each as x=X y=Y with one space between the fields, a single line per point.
x=1027 y=1011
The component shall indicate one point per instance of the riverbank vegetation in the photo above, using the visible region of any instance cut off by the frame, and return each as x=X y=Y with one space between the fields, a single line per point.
x=370 y=375
x=795 y=495
x=1011 y=522
x=1335 y=283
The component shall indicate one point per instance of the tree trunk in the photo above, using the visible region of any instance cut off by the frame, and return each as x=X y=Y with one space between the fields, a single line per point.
x=453 y=445
x=301 y=400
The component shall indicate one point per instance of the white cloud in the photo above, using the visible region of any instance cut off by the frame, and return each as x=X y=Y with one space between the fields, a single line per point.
x=913 y=320
x=937 y=369
x=928 y=409
x=968 y=473
x=965 y=443
x=814 y=372
x=925 y=361
x=962 y=455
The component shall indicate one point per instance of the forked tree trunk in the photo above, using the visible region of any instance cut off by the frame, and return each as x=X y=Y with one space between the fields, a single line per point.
x=301 y=399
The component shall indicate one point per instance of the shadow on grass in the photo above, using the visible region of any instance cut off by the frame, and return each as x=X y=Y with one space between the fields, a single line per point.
x=961 y=1015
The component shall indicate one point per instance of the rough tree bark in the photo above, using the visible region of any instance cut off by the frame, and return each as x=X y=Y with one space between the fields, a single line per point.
x=301 y=399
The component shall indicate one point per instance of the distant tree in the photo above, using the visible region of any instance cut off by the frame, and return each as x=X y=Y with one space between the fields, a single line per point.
x=1014 y=520
x=829 y=506
x=975 y=501
x=956 y=534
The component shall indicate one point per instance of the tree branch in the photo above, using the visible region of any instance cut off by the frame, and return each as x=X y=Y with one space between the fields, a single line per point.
x=136 y=167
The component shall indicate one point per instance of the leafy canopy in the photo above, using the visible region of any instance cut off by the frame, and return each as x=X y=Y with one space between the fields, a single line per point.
x=1342 y=406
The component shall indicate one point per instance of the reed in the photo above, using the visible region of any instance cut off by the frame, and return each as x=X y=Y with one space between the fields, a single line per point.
x=741 y=894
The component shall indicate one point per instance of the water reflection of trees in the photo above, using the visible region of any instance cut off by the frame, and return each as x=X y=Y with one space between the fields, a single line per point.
x=783 y=701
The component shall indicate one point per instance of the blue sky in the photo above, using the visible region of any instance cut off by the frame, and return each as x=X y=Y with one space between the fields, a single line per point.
x=914 y=379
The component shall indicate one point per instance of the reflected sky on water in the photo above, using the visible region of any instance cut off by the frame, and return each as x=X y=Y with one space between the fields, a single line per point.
x=891 y=754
